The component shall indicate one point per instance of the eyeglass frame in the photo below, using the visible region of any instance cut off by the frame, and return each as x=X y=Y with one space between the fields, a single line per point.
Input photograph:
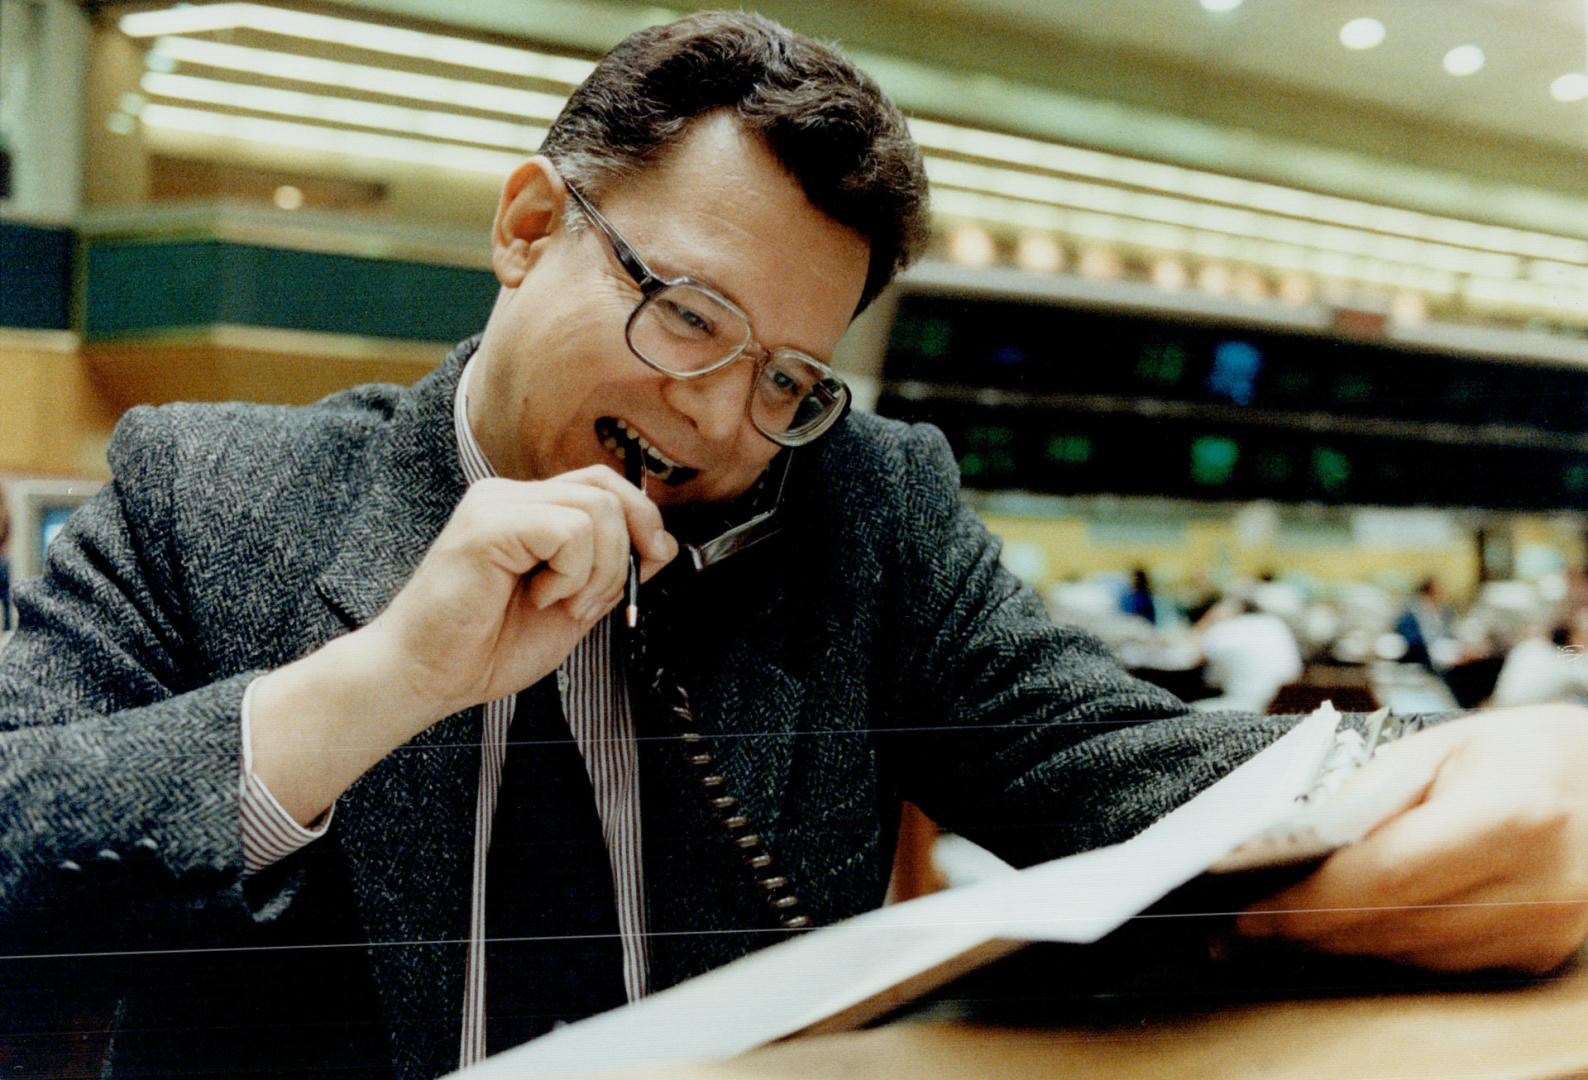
x=649 y=283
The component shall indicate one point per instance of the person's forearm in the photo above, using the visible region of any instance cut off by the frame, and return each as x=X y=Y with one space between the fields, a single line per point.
x=321 y=722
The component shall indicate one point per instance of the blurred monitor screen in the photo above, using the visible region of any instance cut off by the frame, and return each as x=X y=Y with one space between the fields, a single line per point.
x=39 y=511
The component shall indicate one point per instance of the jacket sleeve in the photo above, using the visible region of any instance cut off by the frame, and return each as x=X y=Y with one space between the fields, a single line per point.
x=119 y=758
x=1021 y=735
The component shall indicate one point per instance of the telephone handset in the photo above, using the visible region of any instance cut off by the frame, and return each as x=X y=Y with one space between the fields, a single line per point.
x=668 y=700
x=708 y=536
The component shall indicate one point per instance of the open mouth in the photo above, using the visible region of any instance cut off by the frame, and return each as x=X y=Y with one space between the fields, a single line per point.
x=622 y=440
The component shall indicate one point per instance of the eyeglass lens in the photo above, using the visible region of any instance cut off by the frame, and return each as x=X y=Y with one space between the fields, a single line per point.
x=683 y=330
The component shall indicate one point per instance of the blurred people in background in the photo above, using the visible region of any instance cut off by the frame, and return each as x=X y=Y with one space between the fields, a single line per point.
x=1197 y=597
x=1425 y=626
x=1576 y=590
x=1138 y=599
x=1280 y=598
x=1249 y=654
x=1546 y=665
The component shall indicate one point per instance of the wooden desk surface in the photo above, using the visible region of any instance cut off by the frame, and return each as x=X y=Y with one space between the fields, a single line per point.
x=1537 y=1031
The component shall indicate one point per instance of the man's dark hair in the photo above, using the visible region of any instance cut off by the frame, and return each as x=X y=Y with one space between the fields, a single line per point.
x=826 y=122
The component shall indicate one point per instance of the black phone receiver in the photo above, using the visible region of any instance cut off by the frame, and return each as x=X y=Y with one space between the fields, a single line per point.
x=725 y=538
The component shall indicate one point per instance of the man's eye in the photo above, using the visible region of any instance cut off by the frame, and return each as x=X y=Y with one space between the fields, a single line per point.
x=687 y=318
x=784 y=385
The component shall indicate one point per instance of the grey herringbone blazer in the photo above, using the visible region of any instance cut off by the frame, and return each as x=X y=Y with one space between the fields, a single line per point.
x=877 y=651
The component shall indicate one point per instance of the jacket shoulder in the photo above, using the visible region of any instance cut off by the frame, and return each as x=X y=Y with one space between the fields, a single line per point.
x=875 y=472
x=868 y=450
x=251 y=441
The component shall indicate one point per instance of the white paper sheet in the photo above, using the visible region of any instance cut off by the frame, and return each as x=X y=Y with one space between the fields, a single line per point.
x=842 y=969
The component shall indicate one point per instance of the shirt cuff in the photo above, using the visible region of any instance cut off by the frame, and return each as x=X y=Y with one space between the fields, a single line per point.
x=270 y=834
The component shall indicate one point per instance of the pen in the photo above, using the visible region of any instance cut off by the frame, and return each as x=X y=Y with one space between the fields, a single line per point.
x=634 y=470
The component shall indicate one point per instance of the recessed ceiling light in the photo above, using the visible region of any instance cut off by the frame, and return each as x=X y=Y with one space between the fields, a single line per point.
x=1039 y=253
x=1220 y=5
x=1464 y=60
x=1572 y=87
x=970 y=245
x=1362 y=33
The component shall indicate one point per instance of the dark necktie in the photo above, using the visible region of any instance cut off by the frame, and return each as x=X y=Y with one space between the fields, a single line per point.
x=552 y=952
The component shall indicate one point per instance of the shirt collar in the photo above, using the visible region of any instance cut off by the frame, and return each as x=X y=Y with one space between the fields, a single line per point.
x=475 y=465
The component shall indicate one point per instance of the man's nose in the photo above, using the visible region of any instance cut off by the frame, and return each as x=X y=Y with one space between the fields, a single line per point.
x=714 y=403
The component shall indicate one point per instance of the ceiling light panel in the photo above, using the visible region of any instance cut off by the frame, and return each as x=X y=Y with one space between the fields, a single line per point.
x=1173 y=179
x=167 y=52
x=329 y=140
x=370 y=37
x=993 y=209
x=447 y=127
x=984 y=176
x=1202 y=215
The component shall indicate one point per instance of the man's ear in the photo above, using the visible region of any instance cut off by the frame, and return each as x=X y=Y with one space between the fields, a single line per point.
x=531 y=206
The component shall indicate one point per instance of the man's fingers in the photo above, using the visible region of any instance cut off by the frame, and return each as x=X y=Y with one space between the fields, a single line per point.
x=609 y=543
x=1461 y=876
x=1421 y=855
x=574 y=534
x=644 y=518
x=1419 y=858
x=1481 y=914
x=561 y=541
x=1489 y=928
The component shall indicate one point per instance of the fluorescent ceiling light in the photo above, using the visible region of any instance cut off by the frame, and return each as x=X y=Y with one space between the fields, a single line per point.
x=993 y=209
x=331 y=140
x=484 y=97
x=1464 y=60
x=371 y=37
x=1215 y=218
x=1362 y=34
x=448 y=127
x=1034 y=153
x=1220 y=5
x=1570 y=87
x=1527 y=296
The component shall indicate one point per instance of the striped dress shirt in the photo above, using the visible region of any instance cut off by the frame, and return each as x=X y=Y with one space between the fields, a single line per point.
x=595 y=702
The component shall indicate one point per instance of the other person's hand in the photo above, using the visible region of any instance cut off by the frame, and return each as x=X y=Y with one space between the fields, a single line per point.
x=1485 y=866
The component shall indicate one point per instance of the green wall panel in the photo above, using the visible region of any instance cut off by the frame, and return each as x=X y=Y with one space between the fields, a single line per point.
x=138 y=287
x=35 y=277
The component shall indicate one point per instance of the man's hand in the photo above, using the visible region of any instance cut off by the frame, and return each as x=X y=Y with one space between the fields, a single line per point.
x=1486 y=866
x=516 y=578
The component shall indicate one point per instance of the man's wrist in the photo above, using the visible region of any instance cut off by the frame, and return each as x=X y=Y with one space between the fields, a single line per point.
x=321 y=722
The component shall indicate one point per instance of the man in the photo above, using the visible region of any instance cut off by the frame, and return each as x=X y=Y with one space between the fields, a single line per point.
x=254 y=731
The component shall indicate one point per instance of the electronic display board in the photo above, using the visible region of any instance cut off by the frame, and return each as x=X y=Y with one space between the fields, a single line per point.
x=1049 y=398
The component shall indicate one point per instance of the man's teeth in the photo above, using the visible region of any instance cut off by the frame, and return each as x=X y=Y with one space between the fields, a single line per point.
x=659 y=460
x=621 y=440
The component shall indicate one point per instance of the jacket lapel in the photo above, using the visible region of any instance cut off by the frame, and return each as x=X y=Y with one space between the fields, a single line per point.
x=413 y=482
x=406 y=827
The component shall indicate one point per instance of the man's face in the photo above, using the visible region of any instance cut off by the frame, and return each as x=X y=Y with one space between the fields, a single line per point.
x=556 y=376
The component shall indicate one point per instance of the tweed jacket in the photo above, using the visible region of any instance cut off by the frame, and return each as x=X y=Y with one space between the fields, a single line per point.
x=875 y=651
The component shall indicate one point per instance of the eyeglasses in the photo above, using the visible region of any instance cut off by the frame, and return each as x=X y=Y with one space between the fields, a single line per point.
x=688 y=330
